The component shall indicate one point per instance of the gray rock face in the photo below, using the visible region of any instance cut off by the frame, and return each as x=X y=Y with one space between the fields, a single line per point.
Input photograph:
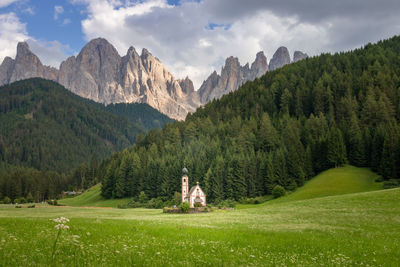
x=298 y=55
x=100 y=74
x=279 y=59
x=26 y=65
x=232 y=76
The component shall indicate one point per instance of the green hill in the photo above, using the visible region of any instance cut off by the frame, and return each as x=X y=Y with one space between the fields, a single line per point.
x=44 y=126
x=337 y=181
x=92 y=198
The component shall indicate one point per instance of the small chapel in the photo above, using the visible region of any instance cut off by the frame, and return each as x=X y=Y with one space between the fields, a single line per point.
x=195 y=194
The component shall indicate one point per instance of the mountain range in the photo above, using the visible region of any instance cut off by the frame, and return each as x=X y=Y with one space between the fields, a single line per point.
x=99 y=73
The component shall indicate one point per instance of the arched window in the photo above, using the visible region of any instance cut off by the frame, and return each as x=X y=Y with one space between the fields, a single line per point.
x=184 y=180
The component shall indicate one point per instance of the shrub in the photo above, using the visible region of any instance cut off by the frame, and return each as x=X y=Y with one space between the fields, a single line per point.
x=16 y=201
x=155 y=203
x=392 y=183
x=22 y=200
x=184 y=206
x=52 y=202
x=278 y=191
x=7 y=200
x=133 y=204
x=31 y=206
x=229 y=203
x=18 y=206
x=197 y=205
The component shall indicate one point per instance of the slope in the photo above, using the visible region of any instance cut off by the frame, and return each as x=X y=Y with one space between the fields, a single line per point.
x=140 y=113
x=42 y=125
x=92 y=198
x=337 y=181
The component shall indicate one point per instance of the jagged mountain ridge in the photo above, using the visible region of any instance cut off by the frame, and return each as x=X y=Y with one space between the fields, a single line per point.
x=99 y=73
x=233 y=74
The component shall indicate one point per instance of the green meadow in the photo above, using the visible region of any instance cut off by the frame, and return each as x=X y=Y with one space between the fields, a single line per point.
x=347 y=229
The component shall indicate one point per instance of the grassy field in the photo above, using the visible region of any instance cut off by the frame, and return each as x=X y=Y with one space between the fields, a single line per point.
x=92 y=198
x=337 y=181
x=343 y=230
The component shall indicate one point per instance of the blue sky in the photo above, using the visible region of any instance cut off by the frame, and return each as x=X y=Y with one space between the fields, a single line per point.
x=194 y=37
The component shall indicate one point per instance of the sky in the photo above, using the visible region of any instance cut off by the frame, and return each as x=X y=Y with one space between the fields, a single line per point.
x=194 y=37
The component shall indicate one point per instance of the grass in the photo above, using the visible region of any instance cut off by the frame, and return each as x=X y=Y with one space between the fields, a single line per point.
x=348 y=229
x=353 y=229
x=92 y=198
x=337 y=181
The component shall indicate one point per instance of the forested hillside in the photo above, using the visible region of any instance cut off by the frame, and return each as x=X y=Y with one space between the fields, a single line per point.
x=139 y=113
x=46 y=130
x=281 y=129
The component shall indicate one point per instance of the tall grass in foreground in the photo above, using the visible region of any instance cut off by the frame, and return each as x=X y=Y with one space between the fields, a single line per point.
x=356 y=229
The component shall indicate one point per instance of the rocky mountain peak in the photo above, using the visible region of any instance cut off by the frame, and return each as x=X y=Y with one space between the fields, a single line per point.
x=23 y=49
x=186 y=85
x=298 y=55
x=260 y=66
x=279 y=59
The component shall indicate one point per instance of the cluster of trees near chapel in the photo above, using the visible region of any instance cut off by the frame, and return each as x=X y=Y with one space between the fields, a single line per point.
x=280 y=129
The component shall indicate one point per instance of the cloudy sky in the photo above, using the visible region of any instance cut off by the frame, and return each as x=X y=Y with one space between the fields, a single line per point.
x=193 y=38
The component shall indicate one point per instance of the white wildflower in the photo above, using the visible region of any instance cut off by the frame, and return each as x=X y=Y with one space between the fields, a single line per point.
x=61 y=220
x=61 y=226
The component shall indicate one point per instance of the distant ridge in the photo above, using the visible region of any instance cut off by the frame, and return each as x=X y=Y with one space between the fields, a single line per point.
x=99 y=73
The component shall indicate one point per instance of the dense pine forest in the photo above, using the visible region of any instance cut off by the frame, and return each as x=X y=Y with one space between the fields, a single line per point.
x=281 y=129
x=45 y=131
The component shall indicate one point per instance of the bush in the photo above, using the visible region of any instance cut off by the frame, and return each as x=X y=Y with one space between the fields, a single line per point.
x=155 y=203
x=184 y=206
x=278 y=191
x=229 y=203
x=16 y=201
x=31 y=206
x=22 y=200
x=52 y=202
x=392 y=183
x=18 y=206
x=7 y=200
x=197 y=205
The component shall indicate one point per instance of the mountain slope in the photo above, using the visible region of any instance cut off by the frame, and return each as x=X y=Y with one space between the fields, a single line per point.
x=42 y=125
x=280 y=129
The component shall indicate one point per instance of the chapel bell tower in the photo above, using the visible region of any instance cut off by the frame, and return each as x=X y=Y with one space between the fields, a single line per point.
x=185 y=185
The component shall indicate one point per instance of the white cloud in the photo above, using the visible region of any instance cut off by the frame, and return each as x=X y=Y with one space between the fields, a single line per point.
x=58 y=10
x=182 y=38
x=51 y=53
x=12 y=31
x=5 y=3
